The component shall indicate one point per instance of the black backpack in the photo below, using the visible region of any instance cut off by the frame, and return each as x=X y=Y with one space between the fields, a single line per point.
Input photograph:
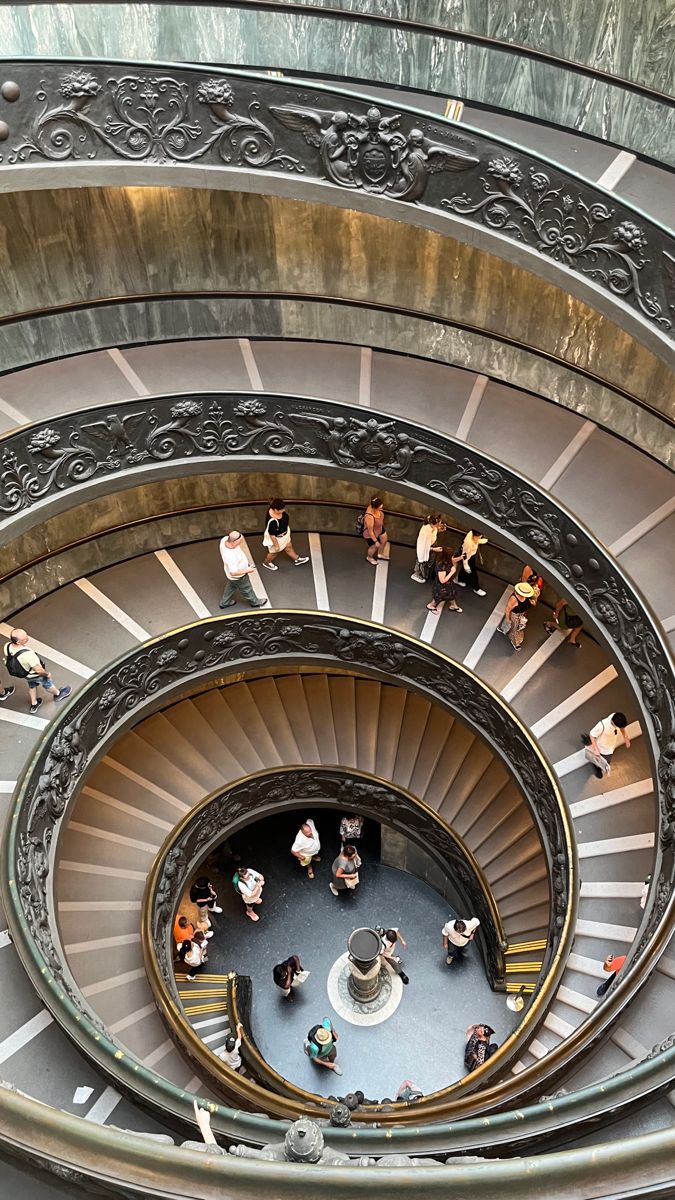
x=14 y=667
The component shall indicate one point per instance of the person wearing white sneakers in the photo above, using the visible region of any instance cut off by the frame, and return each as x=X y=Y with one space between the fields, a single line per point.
x=249 y=884
x=426 y=547
x=468 y=574
x=24 y=663
x=277 y=537
x=204 y=895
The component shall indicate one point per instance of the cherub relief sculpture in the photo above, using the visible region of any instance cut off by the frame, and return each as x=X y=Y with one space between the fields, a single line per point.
x=371 y=152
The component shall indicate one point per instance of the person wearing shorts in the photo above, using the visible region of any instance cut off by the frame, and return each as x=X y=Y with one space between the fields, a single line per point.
x=374 y=531
x=572 y=624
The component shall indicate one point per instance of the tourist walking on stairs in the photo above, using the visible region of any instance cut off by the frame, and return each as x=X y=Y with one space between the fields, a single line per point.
x=444 y=583
x=468 y=572
x=427 y=548
x=237 y=570
x=374 y=531
x=612 y=965
x=24 y=663
x=514 y=621
x=277 y=537
x=603 y=740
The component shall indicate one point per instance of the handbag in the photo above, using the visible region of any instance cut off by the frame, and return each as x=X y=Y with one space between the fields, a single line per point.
x=351 y=881
x=282 y=540
x=300 y=977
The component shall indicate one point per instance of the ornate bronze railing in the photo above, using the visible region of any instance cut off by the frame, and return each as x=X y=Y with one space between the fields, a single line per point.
x=141 y=681
x=75 y=117
x=419 y=51
x=219 y=816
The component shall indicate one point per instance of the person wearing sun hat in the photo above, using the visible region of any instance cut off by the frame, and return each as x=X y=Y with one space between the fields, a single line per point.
x=320 y=1045
x=514 y=620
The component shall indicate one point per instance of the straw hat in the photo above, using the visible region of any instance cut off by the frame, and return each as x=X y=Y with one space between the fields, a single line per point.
x=524 y=591
x=322 y=1035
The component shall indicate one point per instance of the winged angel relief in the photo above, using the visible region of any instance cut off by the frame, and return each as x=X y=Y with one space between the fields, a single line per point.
x=371 y=151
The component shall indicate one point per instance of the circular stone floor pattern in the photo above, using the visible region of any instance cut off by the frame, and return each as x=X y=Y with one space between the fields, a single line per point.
x=419 y=1033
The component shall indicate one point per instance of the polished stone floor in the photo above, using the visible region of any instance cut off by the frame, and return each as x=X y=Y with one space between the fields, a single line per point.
x=423 y=1039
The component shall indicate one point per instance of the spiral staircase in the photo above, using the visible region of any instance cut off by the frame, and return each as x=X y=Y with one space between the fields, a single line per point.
x=97 y=568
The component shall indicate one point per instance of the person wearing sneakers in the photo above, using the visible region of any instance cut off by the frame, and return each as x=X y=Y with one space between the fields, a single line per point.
x=320 y=1045
x=277 y=537
x=457 y=935
x=249 y=884
x=24 y=663
x=237 y=569
x=467 y=575
x=426 y=548
x=374 y=531
x=306 y=847
x=6 y=693
x=204 y=895
x=603 y=740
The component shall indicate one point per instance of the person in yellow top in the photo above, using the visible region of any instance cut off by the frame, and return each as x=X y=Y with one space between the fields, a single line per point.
x=24 y=663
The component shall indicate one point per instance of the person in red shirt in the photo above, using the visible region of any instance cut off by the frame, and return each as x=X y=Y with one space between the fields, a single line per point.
x=613 y=965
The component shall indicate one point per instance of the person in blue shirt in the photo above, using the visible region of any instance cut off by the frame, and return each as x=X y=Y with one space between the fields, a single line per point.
x=320 y=1045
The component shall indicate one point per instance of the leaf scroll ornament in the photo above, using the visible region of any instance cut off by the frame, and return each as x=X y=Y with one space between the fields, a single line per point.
x=567 y=228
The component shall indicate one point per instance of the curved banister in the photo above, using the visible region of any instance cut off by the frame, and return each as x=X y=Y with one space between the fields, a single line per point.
x=73 y=118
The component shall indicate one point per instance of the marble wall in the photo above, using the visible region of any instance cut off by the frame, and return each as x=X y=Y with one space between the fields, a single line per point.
x=60 y=334
x=79 y=246
x=633 y=40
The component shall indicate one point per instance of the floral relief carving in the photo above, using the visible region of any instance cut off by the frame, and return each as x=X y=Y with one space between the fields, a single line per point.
x=153 y=118
x=575 y=230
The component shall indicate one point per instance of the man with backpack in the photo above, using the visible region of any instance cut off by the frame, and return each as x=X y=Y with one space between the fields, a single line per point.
x=24 y=663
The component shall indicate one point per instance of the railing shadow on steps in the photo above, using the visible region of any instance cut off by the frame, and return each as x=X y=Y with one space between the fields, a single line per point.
x=250 y=799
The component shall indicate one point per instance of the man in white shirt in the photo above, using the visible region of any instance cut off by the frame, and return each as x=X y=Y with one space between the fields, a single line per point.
x=230 y=1053
x=602 y=741
x=249 y=884
x=306 y=847
x=237 y=569
x=456 y=937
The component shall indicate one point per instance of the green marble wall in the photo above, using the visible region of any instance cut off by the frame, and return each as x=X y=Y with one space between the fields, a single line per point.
x=55 y=335
x=77 y=246
x=634 y=40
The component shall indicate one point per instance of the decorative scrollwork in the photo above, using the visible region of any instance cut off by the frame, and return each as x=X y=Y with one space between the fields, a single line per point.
x=581 y=233
x=148 y=117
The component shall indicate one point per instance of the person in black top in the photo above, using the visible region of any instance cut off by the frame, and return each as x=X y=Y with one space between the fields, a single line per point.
x=277 y=536
x=521 y=600
x=204 y=895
